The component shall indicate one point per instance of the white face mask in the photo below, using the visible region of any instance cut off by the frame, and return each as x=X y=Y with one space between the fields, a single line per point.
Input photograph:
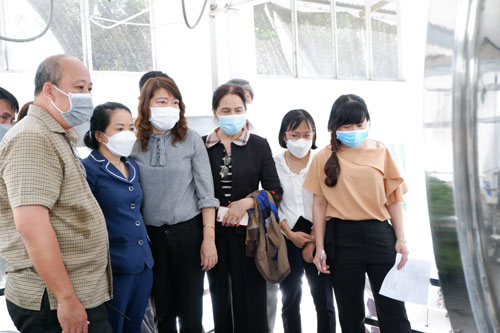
x=299 y=148
x=80 y=108
x=121 y=143
x=164 y=118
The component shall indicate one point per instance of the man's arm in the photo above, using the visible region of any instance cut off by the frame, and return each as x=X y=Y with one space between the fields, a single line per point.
x=40 y=241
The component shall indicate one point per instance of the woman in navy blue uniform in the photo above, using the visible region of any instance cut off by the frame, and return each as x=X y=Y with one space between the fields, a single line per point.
x=114 y=180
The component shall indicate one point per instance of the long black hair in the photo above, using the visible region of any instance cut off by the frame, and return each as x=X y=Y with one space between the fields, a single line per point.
x=100 y=121
x=346 y=110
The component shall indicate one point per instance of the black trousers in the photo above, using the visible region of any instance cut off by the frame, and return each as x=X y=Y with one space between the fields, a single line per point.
x=177 y=275
x=363 y=247
x=291 y=294
x=237 y=289
x=45 y=320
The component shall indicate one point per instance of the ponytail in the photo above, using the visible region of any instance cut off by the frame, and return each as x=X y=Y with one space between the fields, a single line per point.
x=332 y=166
x=90 y=140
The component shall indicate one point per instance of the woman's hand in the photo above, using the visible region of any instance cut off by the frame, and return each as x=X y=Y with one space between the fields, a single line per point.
x=208 y=253
x=299 y=238
x=401 y=248
x=308 y=252
x=236 y=211
x=320 y=261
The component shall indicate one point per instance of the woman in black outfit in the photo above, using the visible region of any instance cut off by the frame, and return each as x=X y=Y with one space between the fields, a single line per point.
x=239 y=161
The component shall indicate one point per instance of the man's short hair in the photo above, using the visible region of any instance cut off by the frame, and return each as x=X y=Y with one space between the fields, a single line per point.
x=50 y=70
x=242 y=83
x=151 y=74
x=5 y=94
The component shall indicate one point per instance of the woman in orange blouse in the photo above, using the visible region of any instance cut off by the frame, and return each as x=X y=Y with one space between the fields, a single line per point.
x=357 y=190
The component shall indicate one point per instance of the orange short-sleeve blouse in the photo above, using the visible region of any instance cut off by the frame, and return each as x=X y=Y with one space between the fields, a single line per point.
x=368 y=182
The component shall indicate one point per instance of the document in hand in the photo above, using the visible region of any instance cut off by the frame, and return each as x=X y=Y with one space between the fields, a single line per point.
x=408 y=284
x=223 y=211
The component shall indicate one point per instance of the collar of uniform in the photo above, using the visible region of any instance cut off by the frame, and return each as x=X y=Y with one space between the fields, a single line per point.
x=213 y=138
x=97 y=156
x=46 y=118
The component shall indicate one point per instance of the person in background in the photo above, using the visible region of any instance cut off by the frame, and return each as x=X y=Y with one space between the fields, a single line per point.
x=8 y=107
x=8 y=110
x=23 y=111
x=114 y=180
x=298 y=136
x=357 y=190
x=240 y=161
x=54 y=234
x=249 y=96
x=151 y=74
x=178 y=207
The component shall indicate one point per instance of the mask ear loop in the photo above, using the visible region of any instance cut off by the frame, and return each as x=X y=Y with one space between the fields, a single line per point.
x=62 y=92
x=104 y=143
x=54 y=104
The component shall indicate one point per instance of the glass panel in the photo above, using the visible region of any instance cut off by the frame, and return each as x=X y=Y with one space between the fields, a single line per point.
x=125 y=47
x=384 y=23
x=273 y=38
x=315 y=47
x=28 y=18
x=351 y=39
x=488 y=154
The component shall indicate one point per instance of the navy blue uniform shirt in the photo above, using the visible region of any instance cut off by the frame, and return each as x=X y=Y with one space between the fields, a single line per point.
x=120 y=200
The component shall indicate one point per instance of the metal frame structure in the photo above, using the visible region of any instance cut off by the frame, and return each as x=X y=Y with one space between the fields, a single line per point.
x=459 y=71
x=216 y=9
x=86 y=35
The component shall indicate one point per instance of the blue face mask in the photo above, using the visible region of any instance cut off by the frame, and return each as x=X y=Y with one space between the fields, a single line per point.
x=232 y=124
x=352 y=138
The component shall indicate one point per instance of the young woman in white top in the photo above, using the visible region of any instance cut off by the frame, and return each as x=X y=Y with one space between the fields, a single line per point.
x=298 y=135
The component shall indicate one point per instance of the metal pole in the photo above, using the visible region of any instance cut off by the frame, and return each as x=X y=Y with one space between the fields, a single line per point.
x=333 y=14
x=295 y=37
x=213 y=44
x=2 y=32
x=369 y=46
x=152 y=22
x=86 y=39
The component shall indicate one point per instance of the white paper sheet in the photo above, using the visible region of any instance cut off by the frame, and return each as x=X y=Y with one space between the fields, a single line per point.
x=223 y=211
x=409 y=284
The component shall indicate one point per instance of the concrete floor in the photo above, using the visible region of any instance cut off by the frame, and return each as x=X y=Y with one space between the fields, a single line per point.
x=431 y=318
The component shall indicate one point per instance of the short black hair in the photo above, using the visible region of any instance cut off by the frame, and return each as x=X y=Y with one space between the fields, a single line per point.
x=291 y=121
x=50 y=70
x=5 y=94
x=100 y=121
x=150 y=75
